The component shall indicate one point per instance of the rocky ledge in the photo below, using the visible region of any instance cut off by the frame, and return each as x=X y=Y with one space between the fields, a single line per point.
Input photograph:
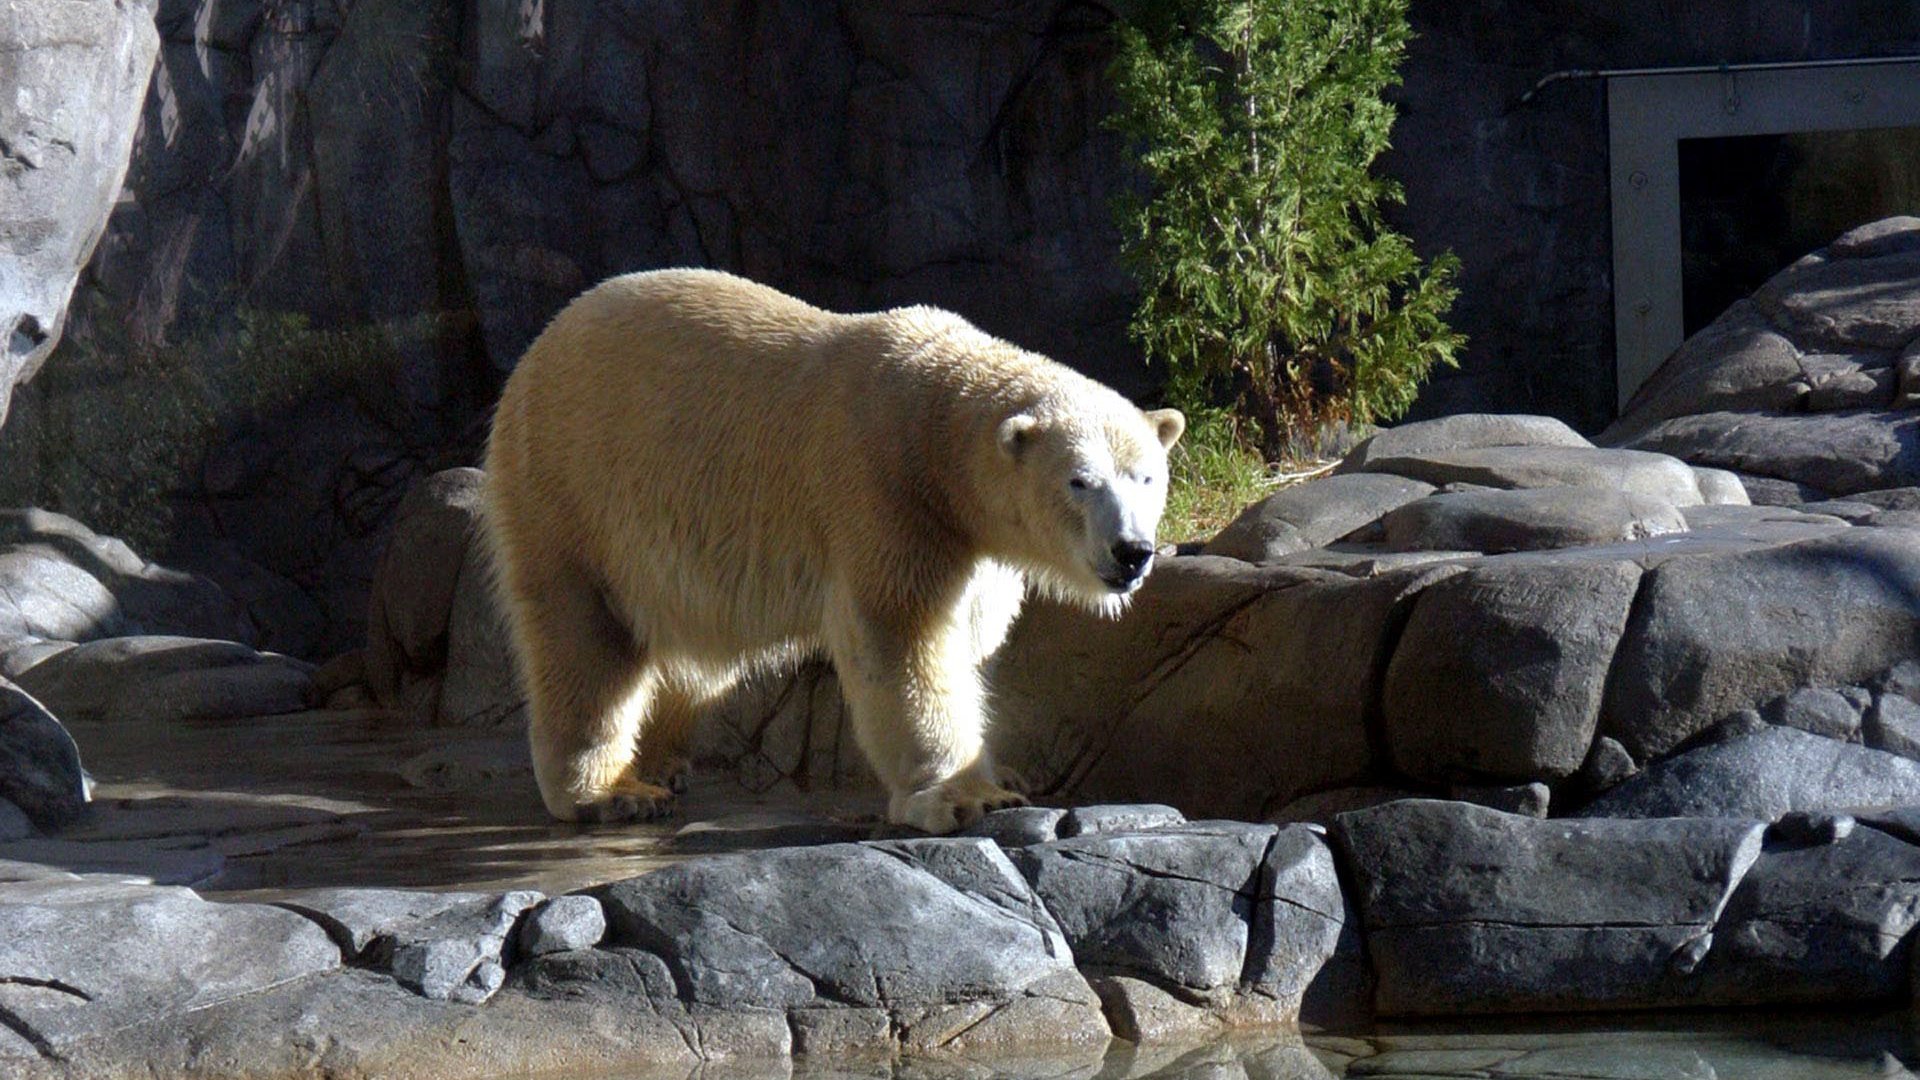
x=1156 y=930
x=1509 y=723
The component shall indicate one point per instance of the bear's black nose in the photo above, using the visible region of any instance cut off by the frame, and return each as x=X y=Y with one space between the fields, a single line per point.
x=1132 y=555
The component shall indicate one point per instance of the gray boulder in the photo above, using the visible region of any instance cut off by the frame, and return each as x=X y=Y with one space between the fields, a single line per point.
x=40 y=770
x=1764 y=775
x=1312 y=515
x=1848 y=381
x=1304 y=950
x=481 y=687
x=1608 y=765
x=1211 y=645
x=80 y=960
x=1895 y=498
x=1321 y=807
x=1528 y=520
x=1738 y=363
x=561 y=924
x=1631 y=471
x=1713 y=635
x=442 y=946
x=1019 y=826
x=411 y=606
x=1848 y=302
x=1721 y=487
x=1806 y=387
x=1893 y=724
x=1818 y=923
x=437 y=644
x=14 y=822
x=1501 y=670
x=1466 y=431
x=1469 y=910
x=70 y=98
x=1527 y=800
x=167 y=678
x=61 y=581
x=1820 y=711
x=900 y=924
x=1171 y=906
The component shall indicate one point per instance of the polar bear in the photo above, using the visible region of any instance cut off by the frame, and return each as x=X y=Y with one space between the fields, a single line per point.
x=690 y=474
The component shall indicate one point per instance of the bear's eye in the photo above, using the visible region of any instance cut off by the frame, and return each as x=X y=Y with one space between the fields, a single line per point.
x=1078 y=483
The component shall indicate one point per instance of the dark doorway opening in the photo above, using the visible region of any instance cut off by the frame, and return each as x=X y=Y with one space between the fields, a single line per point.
x=1752 y=204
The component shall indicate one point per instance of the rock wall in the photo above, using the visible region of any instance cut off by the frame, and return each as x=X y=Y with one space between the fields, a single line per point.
x=72 y=75
x=425 y=183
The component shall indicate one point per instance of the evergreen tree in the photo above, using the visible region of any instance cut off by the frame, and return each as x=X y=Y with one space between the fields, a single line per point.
x=1268 y=276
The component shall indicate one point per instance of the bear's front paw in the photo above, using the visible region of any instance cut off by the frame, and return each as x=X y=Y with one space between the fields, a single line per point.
x=954 y=804
x=627 y=800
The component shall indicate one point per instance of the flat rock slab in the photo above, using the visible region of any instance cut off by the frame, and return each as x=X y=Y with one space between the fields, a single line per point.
x=167 y=678
x=1711 y=636
x=1118 y=817
x=1501 y=670
x=1530 y=519
x=1764 y=775
x=1837 y=453
x=1466 y=431
x=1630 y=471
x=1312 y=515
x=1019 y=826
x=1468 y=910
x=78 y=960
x=39 y=762
x=878 y=925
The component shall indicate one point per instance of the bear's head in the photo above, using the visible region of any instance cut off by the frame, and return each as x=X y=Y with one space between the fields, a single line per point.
x=1089 y=480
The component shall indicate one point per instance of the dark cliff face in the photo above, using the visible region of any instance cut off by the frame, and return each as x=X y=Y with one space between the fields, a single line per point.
x=430 y=181
x=387 y=158
x=439 y=178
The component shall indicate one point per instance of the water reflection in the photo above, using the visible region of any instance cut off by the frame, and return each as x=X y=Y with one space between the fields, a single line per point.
x=1816 y=1046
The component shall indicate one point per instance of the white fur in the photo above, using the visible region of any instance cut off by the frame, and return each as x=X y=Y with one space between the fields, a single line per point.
x=690 y=473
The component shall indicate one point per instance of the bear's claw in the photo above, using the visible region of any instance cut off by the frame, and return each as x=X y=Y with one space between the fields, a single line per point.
x=955 y=804
x=632 y=801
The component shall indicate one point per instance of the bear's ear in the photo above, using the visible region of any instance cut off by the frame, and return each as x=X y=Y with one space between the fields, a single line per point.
x=1016 y=434
x=1169 y=425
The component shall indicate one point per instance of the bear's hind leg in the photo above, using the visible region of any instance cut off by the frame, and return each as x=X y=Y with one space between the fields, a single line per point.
x=589 y=688
x=684 y=692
